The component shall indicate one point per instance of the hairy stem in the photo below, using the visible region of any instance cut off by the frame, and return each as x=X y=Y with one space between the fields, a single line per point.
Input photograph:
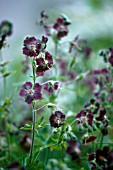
x=33 y=116
x=33 y=133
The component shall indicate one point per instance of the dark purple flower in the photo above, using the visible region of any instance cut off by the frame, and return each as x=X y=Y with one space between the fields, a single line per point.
x=89 y=139
x=43 y=18
x=57 y=119
x=111 y=51
x=111 y=60
x=105 y=131
x=48 y=28
x=56 y=85
x=91 y=158
x=73 y=149
x=61 y=28
x=87 y=51
x=102 y=115
x=104 y=70
x=44 y=39
x=30 y=46
x=96 y=72
x=33 y=46
x=51 y=86
x=30 y=93
x=90 y=118
x=44 y=64
x=102 y=158
x=84 y=117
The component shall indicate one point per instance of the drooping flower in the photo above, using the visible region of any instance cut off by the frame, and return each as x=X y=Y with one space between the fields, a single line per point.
x=73 y=149
x=61 y=27
x=30 y=93
x=88 y=139
x=84 y=117
x=51 y=87
x=57 y=119
x=43 y=18
x=44 y=64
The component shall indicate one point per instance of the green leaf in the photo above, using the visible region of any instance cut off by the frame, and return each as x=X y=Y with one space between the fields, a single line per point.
x=51 y=106
x=7 y=101
x=39 y=122
x=6 y=74
x=82 y=75
x=27 y=126
x=72 y=62
x=4 y=63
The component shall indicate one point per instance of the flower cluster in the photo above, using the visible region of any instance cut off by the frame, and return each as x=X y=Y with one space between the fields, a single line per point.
x=92 y=118
x=102 y=79
x=107 y=55
x=84 y=118
x=101 y=159
x=59 y=28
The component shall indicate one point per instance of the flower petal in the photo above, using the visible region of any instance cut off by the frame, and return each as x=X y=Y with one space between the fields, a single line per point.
x=27 y=85
x=29 y=99
x=22 y=93
x=37 y=87
x=37 y=95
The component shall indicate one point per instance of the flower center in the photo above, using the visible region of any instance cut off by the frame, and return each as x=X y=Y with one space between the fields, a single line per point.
x=32 y=47
x=30 y=92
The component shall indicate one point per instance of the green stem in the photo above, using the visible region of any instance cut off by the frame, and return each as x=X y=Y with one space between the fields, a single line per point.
x=46 y=157
x=34 y=75
x=33 y=133
x=41 y=149
x=45 y=143
x=62 y=153
x=4 y=79
x=33 y=116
